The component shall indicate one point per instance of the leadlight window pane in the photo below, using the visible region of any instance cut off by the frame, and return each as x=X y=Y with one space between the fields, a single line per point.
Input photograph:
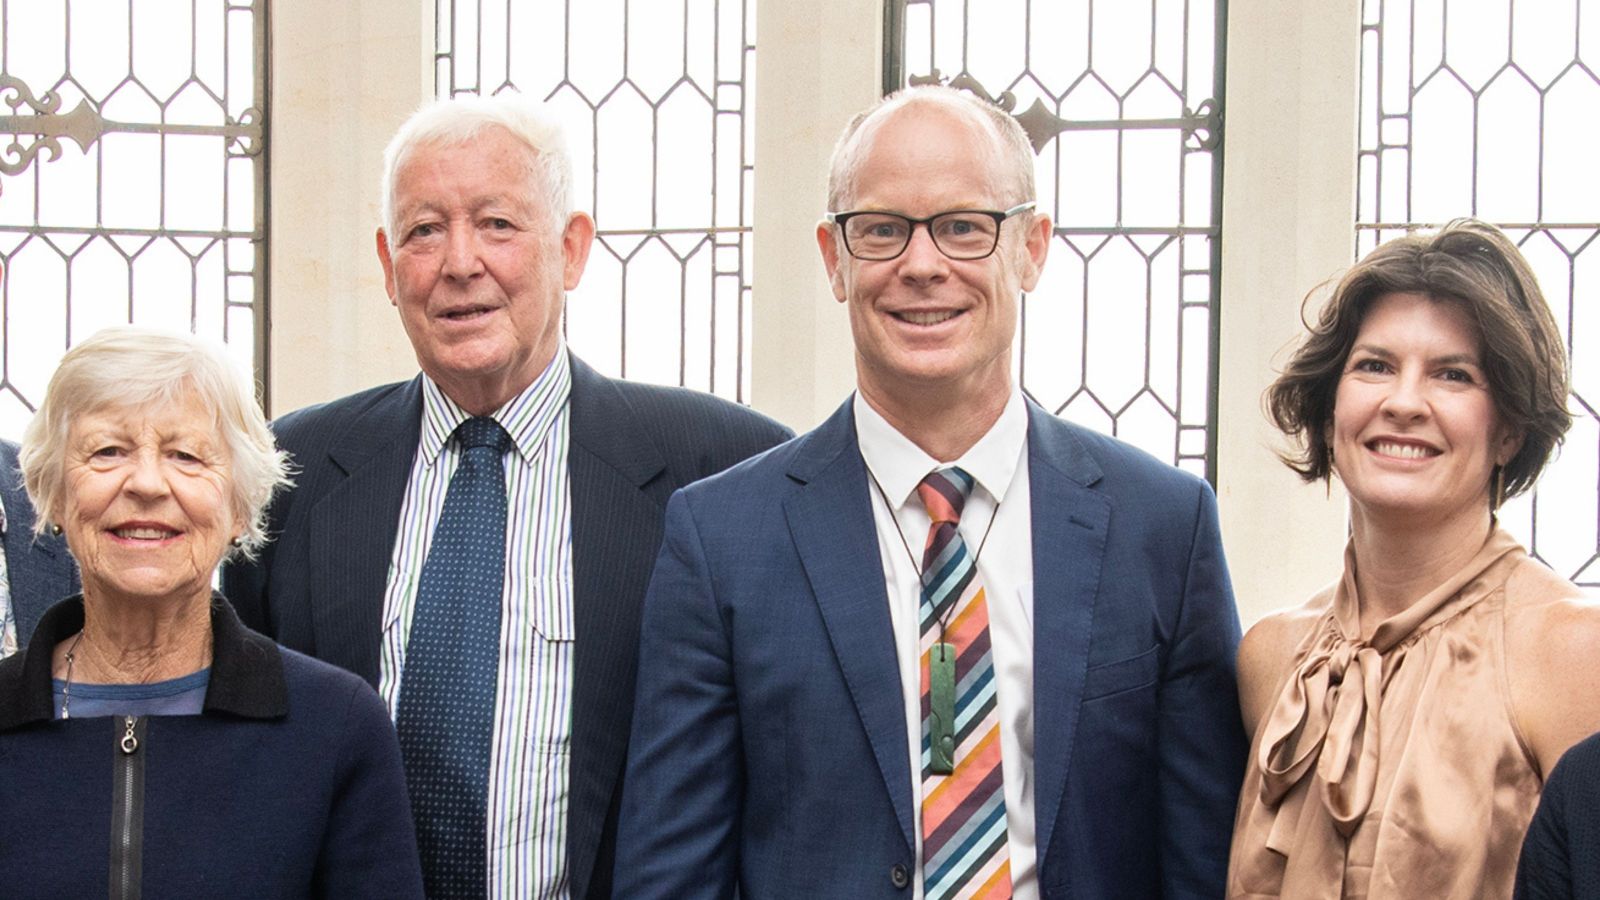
x=1487 y=108
x=660 y=96
x=131 y=179
x=1119 y=333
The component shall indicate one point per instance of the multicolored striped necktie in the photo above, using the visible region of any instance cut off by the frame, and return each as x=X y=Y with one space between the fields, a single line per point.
x=964 y=812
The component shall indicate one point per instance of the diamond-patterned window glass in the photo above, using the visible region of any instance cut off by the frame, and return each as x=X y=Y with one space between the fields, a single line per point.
x=131 y=178
x=1122 y=96
x=1487 y=108
x=659 y=95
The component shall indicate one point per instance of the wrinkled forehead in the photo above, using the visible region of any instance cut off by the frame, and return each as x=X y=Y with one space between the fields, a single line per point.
x=180 y=408
x=473 y=157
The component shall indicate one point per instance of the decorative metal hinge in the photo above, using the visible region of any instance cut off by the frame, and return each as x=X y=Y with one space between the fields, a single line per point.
x=1006 y=101
x=84 y=125
x=1202 y=127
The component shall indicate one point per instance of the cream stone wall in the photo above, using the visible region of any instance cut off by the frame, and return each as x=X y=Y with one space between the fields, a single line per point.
x=817 y=64
x=343 y=77
x=1288 y=216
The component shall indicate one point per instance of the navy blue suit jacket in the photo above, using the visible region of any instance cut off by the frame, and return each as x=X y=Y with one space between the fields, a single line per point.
x=1560 y=857
x=40 y=569
x=318 y=587
x=769 y=745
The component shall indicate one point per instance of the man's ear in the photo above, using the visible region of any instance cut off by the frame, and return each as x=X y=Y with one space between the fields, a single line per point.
x=1035 y=247
x=388 y=266
x=576 y=241
x=828 y=243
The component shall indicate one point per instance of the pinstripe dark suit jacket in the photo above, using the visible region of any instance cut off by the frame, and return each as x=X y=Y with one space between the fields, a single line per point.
x=40 y=570
x=319 y=586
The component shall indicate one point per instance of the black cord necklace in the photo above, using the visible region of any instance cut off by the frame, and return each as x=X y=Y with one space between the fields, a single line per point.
x=942 y=655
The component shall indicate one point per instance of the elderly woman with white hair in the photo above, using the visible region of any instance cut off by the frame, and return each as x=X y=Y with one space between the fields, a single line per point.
x=149 y=742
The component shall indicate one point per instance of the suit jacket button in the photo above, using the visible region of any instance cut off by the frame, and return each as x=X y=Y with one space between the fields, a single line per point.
x=899 y=876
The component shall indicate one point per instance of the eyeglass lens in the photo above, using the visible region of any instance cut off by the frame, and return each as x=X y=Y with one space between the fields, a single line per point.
x=959 y=235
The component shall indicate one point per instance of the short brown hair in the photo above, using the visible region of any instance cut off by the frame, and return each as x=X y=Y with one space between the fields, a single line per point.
x=1467 y=263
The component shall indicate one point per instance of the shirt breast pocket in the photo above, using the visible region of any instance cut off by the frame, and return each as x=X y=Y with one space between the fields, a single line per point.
x=1112 y=678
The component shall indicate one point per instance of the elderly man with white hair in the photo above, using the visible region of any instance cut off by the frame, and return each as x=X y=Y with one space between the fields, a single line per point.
x=476 y=542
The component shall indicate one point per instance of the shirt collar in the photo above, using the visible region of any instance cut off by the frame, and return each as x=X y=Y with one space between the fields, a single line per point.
x=527 y=417
x=899 y=465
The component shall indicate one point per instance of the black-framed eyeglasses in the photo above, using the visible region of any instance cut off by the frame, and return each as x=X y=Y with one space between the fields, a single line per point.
x=959 y=234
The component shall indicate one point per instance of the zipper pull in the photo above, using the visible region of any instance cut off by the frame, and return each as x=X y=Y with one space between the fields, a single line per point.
x=129 y=742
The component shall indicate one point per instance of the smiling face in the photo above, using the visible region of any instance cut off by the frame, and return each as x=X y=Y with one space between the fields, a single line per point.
x=1414 y=432
x=479 y=270
x=928 y=328
x=148 y=508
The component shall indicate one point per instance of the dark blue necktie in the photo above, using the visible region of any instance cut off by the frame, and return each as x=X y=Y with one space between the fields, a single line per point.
x=447 y=686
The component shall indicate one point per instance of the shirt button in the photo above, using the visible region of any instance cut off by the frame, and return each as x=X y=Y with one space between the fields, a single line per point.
x=899 y=876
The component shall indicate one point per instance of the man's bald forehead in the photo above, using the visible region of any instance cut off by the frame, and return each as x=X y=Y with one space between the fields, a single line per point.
x=1008 y=157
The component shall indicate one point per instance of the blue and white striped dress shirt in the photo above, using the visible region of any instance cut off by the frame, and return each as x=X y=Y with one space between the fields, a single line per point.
x=527 y=813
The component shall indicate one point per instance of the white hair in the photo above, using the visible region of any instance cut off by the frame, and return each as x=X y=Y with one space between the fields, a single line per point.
x=1011 y=166
x=459 y=119
x=127 y=368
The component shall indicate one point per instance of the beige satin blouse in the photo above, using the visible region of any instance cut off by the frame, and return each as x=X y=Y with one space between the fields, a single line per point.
x=1393 y=769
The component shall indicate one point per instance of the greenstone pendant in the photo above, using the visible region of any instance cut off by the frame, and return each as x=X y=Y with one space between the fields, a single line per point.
x=942 y=708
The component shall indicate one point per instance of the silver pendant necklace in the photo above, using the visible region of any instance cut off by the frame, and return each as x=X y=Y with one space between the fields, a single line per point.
x=66 y=689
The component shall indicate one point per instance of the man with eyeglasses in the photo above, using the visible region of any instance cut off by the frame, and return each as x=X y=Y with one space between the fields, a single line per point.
x=945 y=645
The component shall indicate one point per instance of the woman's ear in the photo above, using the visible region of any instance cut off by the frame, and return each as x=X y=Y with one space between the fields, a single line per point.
x=1510 y=444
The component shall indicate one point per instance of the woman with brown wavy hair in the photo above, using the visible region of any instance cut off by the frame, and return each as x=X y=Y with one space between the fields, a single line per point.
x=1403 y=718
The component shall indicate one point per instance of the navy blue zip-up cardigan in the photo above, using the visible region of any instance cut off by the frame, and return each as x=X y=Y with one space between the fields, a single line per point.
x=289 y=784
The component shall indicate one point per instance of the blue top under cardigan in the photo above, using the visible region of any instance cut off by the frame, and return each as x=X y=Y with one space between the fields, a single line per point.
x=288 y=784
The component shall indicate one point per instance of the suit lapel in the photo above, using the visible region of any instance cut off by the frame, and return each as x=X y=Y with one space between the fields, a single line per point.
x=830 y=519
x=1069 y=520
x=617 y=507
x=353 y=530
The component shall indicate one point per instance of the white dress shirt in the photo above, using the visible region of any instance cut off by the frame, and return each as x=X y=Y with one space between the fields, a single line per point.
x=998 y=462
x=528 y=764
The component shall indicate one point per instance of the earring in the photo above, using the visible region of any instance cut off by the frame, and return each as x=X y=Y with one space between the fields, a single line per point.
x=55 y=529
x=1499 y=497
x=238 y=541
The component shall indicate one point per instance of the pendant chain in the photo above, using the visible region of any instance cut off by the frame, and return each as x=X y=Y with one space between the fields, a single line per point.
x=66 y=688
x=916 y=567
